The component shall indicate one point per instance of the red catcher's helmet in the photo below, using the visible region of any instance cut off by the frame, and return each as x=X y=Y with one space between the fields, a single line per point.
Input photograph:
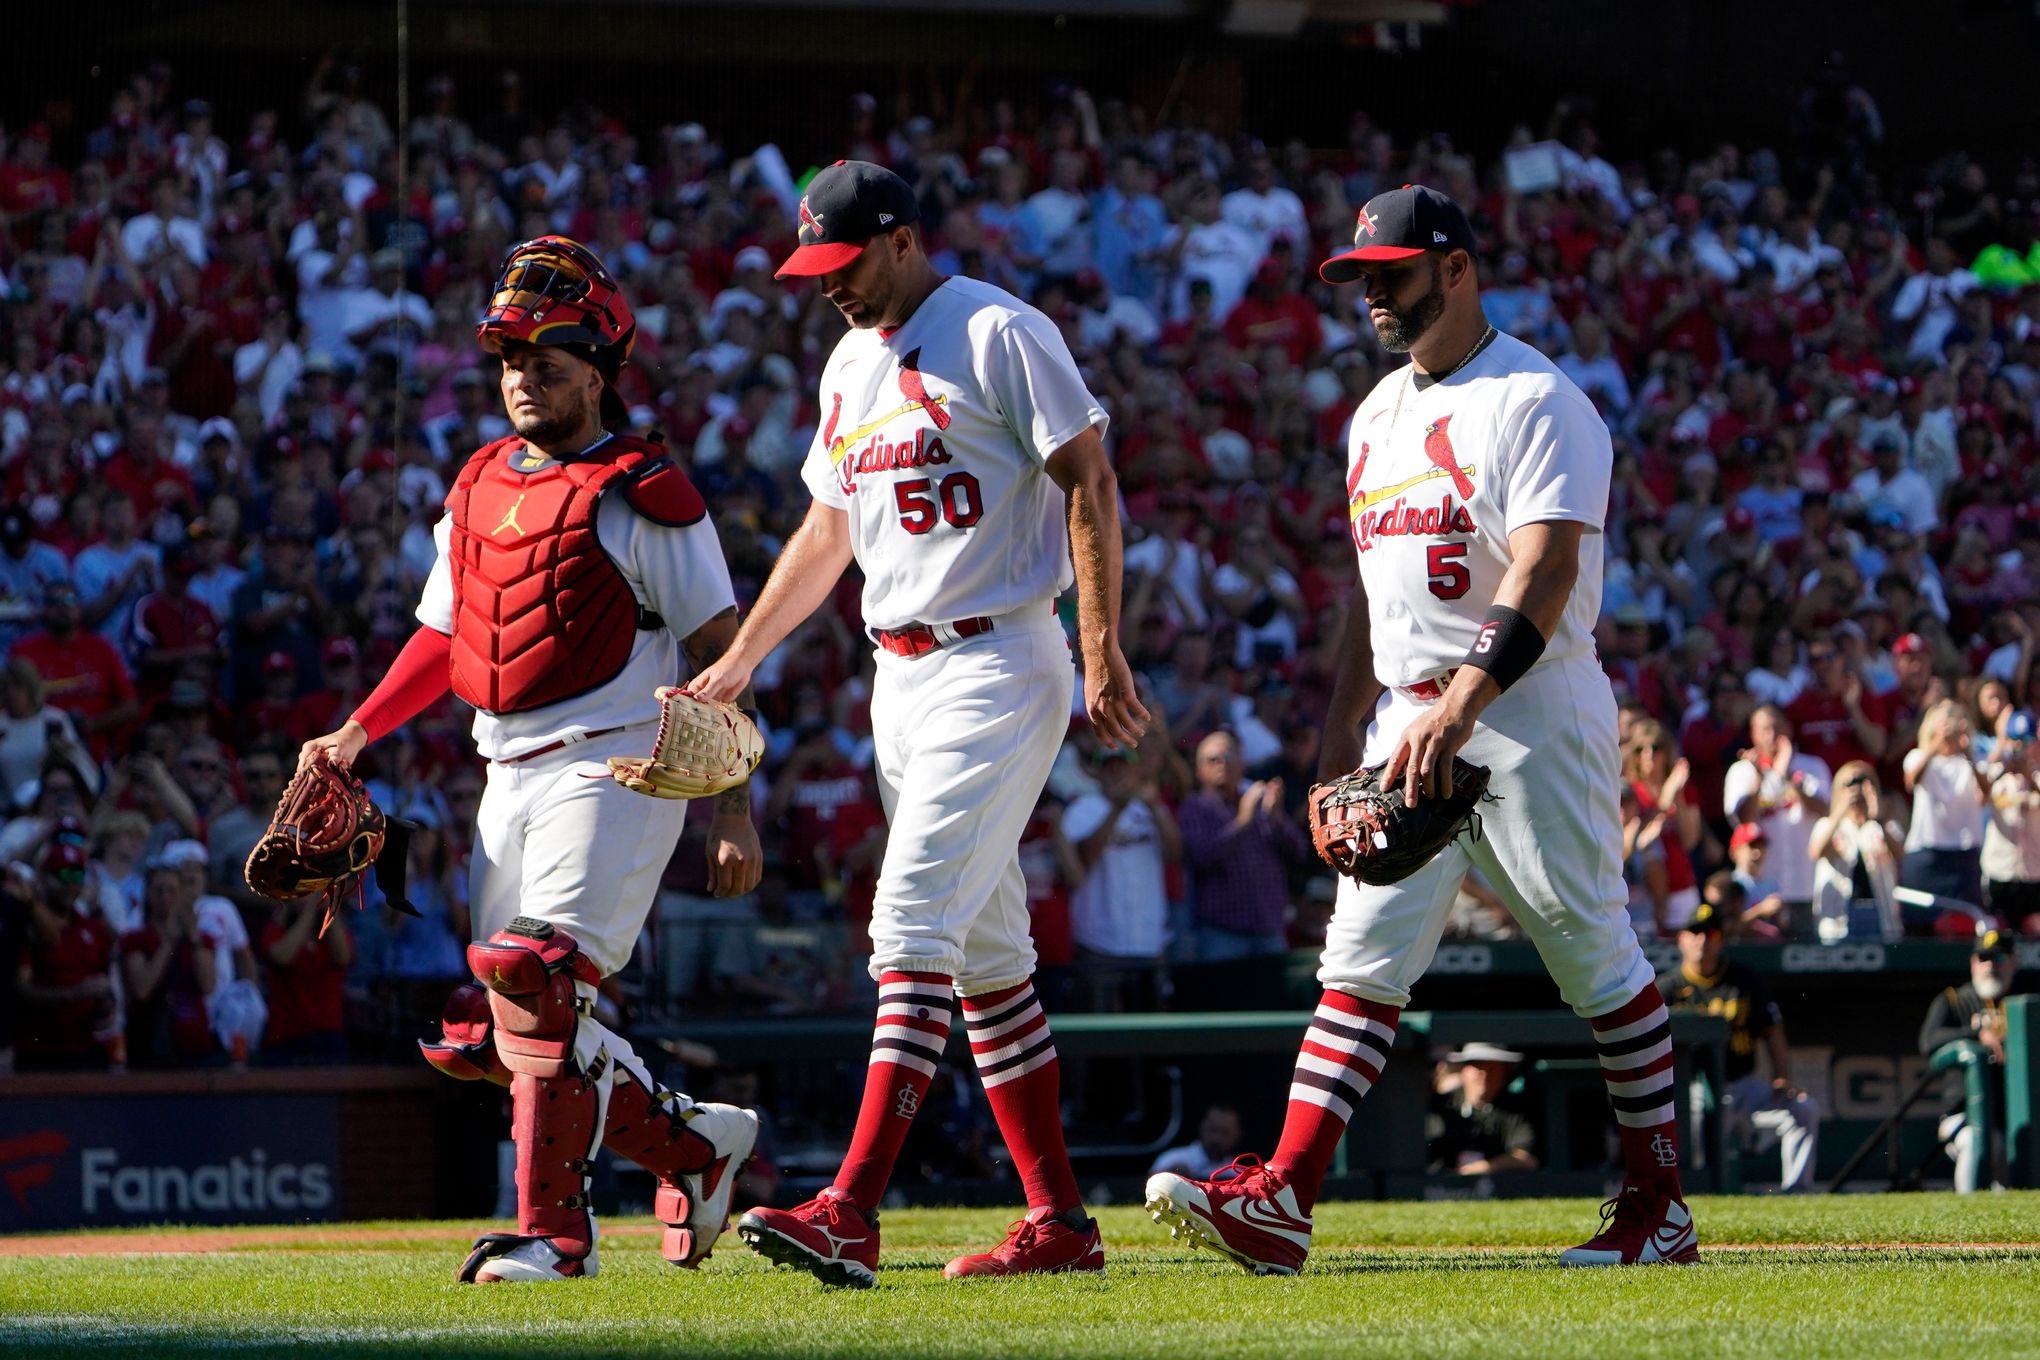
x=554 y=291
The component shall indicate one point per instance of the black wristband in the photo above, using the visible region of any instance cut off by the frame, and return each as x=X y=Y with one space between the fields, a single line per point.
x=1508 y=646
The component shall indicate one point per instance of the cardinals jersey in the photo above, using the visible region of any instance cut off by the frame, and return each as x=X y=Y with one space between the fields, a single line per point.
x=1435 y=489
x=934 y=438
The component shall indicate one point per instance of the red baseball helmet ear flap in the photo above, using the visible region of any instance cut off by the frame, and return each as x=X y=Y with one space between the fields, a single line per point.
x=555 y=291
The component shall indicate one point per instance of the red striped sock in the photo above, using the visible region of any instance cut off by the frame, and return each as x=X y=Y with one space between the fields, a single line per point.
x=1343 y=1053
x=1015 y=1056
x=912 y=1030
x=1635 y=1040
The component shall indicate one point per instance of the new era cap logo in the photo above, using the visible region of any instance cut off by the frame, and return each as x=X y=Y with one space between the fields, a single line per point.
x=884 y=219
x=1438 y=236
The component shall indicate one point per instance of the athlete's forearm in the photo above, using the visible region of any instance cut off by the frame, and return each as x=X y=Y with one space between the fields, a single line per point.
x=1544 y=567
x=704 y=646
x=1355 y=689
x=413 y=683
x=808 y=569
x=1095 y=551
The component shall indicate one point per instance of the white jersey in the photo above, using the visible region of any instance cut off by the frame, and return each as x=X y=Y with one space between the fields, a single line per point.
x=1436 y=489
x=935 y=439
x=679 y=573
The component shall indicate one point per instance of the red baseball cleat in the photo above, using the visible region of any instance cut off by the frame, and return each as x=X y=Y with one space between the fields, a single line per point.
x=1043 y=1243
x=1246 y=1211
x=829 y=1237
x=1639 y=1227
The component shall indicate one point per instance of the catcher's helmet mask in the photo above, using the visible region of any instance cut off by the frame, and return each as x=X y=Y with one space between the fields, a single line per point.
x=554 y=291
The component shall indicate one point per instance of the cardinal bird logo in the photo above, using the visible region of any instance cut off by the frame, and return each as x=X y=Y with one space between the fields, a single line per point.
x=1365 y=225
x=1438 y=448
x=915 y=390
x=829 y=430
x=1359 y=470
x=810 y=223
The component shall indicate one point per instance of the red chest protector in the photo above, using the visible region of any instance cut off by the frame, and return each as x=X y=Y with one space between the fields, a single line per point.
x=540 y=612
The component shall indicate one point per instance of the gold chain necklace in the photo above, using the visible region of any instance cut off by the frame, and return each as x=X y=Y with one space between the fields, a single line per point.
x=1410 y=375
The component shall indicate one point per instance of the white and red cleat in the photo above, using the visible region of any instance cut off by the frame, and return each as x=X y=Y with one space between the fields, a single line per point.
x=1639 y=1227
x=828 y=1237
x=510 y=1258
x=1246 y=1211
x=703 y=1197
x=1043 y=1243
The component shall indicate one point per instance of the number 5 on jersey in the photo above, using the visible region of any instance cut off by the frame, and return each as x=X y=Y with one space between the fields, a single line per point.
x=1449 y=577
x=955 y=499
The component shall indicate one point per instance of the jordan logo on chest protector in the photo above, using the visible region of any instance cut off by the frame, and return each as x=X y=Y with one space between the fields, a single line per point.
x=509 y=520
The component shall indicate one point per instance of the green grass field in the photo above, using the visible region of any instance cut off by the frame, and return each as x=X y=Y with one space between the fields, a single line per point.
x=1853 y=1276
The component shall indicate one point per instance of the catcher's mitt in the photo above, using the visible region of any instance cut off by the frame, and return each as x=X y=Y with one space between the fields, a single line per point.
x=1369 y=833
x=704 y=746
x=324 y=836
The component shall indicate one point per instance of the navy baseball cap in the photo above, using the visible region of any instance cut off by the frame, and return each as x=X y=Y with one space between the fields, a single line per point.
x=1397 y=224
x=844 y=207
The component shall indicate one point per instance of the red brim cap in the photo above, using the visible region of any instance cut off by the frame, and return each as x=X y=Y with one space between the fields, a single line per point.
x=1346 y=268
x=823 y=257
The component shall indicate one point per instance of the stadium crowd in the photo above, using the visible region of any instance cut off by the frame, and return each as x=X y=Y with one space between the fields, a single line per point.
x=239 y=374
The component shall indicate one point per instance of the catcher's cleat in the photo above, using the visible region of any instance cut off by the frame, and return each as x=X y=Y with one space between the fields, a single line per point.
x=1639 y=1227
x=1246 y=1211
x=828 y=1237
x=703 y=1197
x=1043 y=1243
x=512 y=1258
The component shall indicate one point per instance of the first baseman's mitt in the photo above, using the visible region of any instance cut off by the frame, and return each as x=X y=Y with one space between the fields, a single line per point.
x=704 y=746
x=1369 y=833
x=325 y=834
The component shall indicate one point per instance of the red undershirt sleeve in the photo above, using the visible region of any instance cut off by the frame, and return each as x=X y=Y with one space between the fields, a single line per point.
x=415 y=680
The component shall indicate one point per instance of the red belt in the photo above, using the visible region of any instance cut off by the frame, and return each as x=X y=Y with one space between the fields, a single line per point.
x=572 y=739
x=1431 y=690
x=918 y=639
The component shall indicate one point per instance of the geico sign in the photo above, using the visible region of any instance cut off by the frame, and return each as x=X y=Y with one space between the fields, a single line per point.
x=1833 y=958
x=235 y=1184
x=1464 y=958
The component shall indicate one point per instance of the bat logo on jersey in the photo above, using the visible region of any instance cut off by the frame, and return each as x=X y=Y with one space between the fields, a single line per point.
x=1397 y=516
x=878 y=454
x=829 y=430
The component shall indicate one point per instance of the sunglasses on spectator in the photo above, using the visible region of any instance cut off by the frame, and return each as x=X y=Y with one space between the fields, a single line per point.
x=1817 y=657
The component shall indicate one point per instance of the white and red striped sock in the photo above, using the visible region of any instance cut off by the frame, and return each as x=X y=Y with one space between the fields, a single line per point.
x=1015 y=1055
x=1342 y=1056
x=1635 y=1041
x=912 y=1030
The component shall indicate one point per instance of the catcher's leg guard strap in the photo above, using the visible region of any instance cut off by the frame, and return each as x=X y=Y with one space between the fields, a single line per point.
x=556 y=1123
x=650 y=1129
x=465 y=1050
x=530 y=969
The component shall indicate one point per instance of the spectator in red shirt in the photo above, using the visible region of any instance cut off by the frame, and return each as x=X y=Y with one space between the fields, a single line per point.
x=176 y=635
x=333 y=703
x=169 y=971
x=1713 y=740
x=814 y=787
x=81 y=672
x=1918 y=689
x=64 y=976
x=276 y=708
x=142 y=472
x=1836 y=718
x=29 y=184
x=307 y=986
x=1273 y=313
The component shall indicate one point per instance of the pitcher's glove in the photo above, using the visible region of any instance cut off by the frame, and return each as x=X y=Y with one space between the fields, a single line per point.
x=704 y=746
x=1369 y=833
x=324 y=836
